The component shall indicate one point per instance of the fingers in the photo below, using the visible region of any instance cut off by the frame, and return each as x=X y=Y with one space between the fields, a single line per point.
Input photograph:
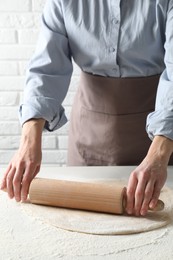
x=139 y=194
x=131 y=193
x=3 y=182
x=148 y=194
x=156 y=195
x=27 y=178
x=17 y=180
x=9 y=183
x=143 y=191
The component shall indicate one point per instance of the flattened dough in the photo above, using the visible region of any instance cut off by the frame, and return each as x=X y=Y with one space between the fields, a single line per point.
x=99 y=223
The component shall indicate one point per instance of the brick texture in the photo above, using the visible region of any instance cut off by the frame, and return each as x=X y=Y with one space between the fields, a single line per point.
x=19 y=29
x=15 y=5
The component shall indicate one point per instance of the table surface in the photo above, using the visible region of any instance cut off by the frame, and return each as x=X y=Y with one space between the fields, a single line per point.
x=22 y=237
x=96 y=172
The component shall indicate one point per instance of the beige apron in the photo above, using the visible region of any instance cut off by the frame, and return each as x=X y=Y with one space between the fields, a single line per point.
x=108 y=118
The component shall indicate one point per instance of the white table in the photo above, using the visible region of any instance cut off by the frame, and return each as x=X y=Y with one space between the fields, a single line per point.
x=22 y=237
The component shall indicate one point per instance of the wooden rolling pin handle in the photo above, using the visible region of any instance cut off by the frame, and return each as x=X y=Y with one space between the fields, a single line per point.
x=159 y=206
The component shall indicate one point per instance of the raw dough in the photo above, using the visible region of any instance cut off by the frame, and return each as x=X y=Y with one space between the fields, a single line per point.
x=103 y=224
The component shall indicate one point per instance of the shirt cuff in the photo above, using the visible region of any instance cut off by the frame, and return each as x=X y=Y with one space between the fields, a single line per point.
x=160 y=123
x=27 y=112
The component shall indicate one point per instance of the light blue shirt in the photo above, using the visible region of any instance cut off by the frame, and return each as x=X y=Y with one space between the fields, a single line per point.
x=112 y=38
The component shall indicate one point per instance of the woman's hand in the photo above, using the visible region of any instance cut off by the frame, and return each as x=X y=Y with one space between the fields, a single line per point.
x=146 y=181
x=26 y=162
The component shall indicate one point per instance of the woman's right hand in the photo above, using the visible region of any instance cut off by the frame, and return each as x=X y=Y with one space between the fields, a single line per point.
x=26 y=163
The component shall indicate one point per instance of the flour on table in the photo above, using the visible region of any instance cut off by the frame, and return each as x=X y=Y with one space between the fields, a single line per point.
x=99 y=223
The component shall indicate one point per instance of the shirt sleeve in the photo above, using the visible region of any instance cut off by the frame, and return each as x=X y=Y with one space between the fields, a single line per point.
x=160 y=122
x=49 y=71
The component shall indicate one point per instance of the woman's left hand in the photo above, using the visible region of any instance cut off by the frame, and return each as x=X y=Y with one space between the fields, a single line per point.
x=146 y=181
x=145 y=184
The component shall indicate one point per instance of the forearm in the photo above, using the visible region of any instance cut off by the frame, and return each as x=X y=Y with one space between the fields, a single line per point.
x=32 y=131
x=161 y=148
x=25 y=164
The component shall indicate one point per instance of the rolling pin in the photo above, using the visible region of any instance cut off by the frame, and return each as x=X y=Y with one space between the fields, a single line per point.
x=99 y=197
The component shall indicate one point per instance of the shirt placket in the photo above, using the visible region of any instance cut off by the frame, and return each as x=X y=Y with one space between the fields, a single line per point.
x=114 y=28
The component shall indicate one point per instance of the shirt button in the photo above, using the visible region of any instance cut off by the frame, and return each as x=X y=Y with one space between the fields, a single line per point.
x=112 y=49
x=115 y=21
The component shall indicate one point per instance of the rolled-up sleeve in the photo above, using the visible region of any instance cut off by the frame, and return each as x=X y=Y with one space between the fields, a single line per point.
x=160 y=122
x=49 y=71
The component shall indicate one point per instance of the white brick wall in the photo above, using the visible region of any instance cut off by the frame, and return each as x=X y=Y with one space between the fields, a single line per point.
x=19 y=28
